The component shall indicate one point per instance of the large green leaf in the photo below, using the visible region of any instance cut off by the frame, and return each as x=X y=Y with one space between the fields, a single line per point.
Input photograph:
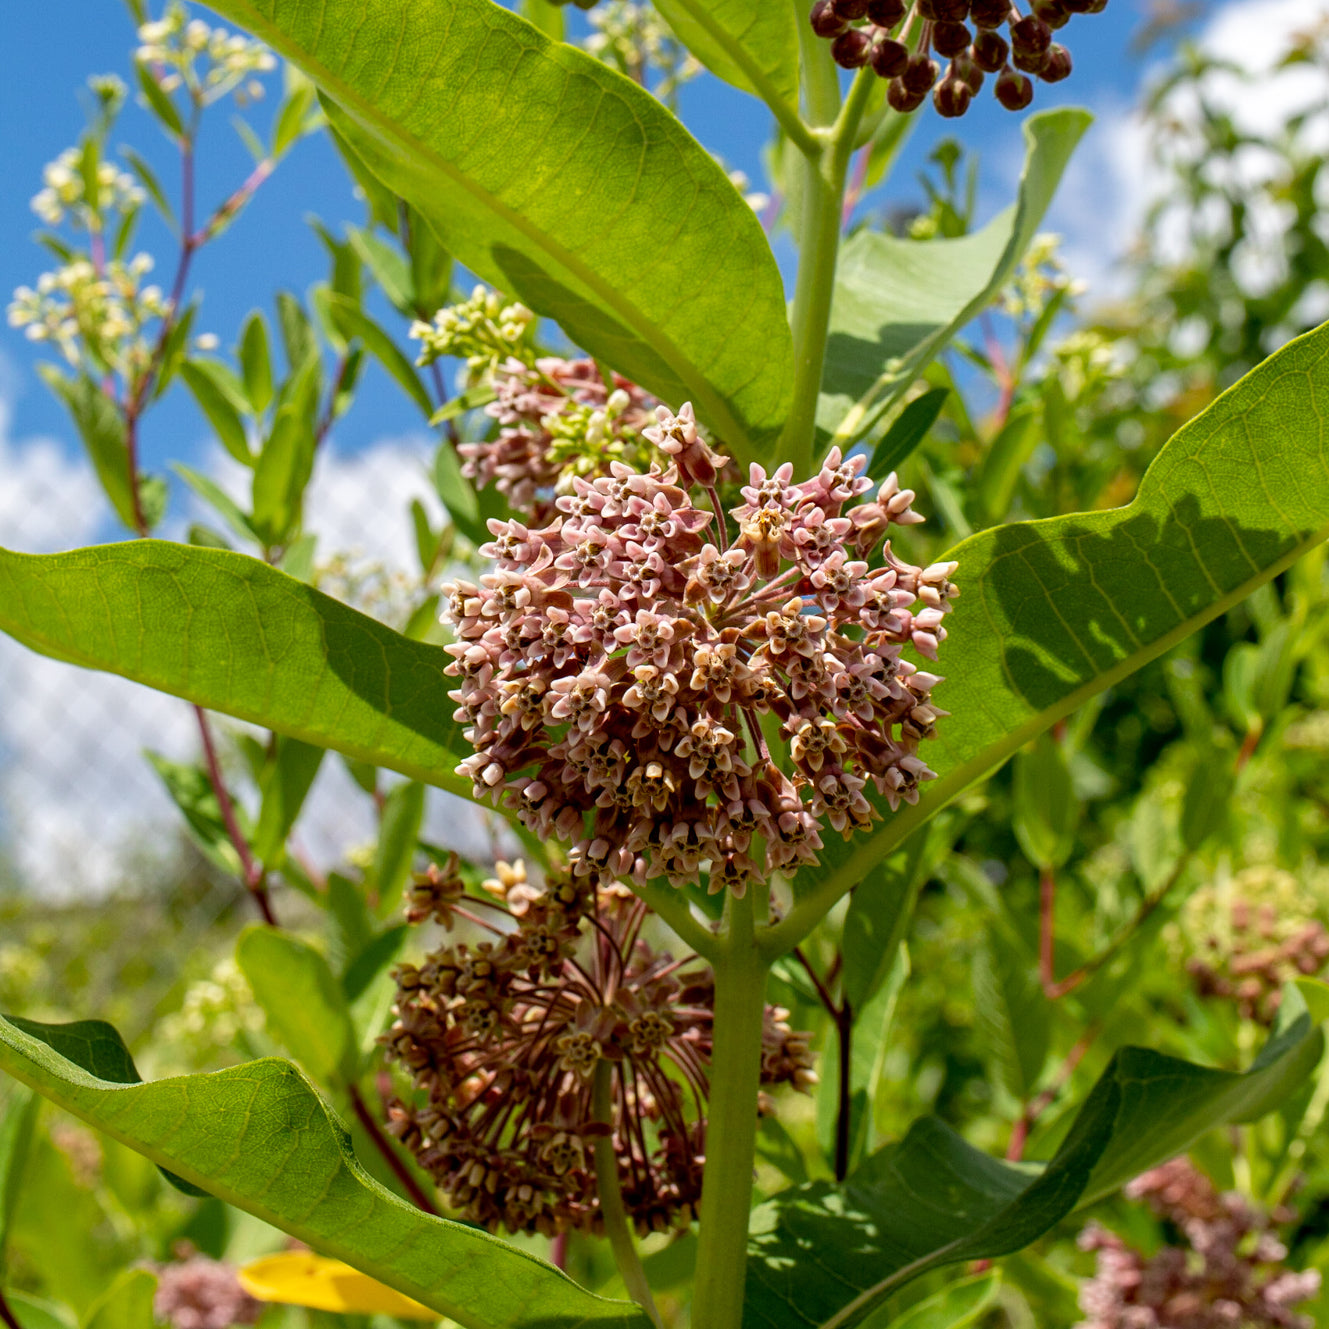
x=1054 y=611
x=260 y=1138
x=235 y=635
x=752 y=44
x=898 y=302
x=561 y=182
x=827 y=1256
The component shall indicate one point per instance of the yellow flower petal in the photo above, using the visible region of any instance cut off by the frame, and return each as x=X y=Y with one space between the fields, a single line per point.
x=301 y=1278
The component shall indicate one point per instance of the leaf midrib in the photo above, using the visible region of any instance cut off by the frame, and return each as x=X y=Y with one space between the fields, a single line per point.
x=714 y=405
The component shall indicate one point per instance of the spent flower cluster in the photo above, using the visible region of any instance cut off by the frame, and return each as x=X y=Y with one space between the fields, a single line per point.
x=860 y=33
x=672 y=701
x=208 y=62
x=564 y=1027
x=1229 y=1274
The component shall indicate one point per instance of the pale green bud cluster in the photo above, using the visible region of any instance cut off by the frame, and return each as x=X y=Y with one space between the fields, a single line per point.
x=583 y=439
x=1040 y=278
x=65 y=192
x=79 y=309
x=209 y=62
x=483 y=331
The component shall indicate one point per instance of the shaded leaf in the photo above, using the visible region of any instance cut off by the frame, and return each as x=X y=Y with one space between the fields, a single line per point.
x=216 y=404
x=126 y=1304
x=285 y=785
x=898 y=302
x=951 y=1308
x=399 y=829
x=1014 y=1018
x=260 y=1138
x=908 y=430
x=237 y=636
x=424 y=92
x=828 y=1256
x=18 y=1115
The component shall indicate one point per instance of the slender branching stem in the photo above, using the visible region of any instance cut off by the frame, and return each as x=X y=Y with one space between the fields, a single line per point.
x=731 y=1130
x=612 y=1209
x=672 y=906
x=7 y=1316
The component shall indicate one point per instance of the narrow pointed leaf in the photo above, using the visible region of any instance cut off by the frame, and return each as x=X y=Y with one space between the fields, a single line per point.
x=260 y=1138
x=1052 y=612
x=898 y=302
x=561 y=182
x=829 y=1256
x=237 y=636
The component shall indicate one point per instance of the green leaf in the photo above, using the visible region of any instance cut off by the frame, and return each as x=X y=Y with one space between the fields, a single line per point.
x=373 y=960
x=1014 y=1018
x=260 y=1138
x=218 y=499
x=297 y=333
x=1055 y=611
x=149 y=181
x=34 y=1314
x=1046 y=812
x=829 y=1256
x=952 y=1308
x=458 y=494
x=286 y=463
x=354 y=322
x=293 y=118
x=237 y=636
x=908 y=430
x=102 y=429
x=424 y=92
x=1000 y=470
x=216 y=404
x=399 y=829
x=192 y=793
x=285 y=786
x=19 y=1108
x=126 y=1304
x=388 y=267
x=256 y=362
x=898 y=302
x=159 y=103
x=302 y=1000
x=752 y=44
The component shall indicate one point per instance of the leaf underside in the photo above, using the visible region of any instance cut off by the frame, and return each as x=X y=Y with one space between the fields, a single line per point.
x=235 y=635
x=259 y=1137
x=825 y=1256
x=562 y=183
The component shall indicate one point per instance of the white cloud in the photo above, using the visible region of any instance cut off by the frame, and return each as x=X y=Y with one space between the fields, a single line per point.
x=1116 y=177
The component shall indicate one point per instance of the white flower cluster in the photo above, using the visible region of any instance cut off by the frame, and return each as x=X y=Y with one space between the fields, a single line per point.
x=174 y=46
x=634 y=38
x=78 y=309
x=65 y=192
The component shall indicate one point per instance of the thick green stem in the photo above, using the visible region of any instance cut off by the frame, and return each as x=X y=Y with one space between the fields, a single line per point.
x=731 y=1130
x=610 y=1192
x=819 y=241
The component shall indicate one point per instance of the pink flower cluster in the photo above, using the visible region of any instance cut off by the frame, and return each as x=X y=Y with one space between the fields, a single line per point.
x=199 y=1293
x=674 y=698
x=1229 y=1273
x=537 y=407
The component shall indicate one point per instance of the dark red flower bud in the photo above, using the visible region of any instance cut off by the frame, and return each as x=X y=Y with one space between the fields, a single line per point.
x=1052 y=12
x=949 y=39
x=1031 y=62
x=1030 y=36
x=1014 y=91
x=901 y=99
x=889 y=58
x=990 y=51
x=951 y=11
x=1057 y=65
x=964 y=68
x=885 y=13
x=825 y=21
x=920 y=74
x=989 y=13
x=850 y=10
x=850 y=50
x=951 y=97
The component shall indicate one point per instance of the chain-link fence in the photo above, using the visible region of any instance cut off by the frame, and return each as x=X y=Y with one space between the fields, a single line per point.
x=81 y=808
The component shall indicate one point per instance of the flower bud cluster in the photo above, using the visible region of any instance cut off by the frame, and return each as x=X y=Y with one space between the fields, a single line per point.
x=1248 y=935
x=674 y=702
x=198 y=1293
x=208 y=62
x=102 y=315
x=1229 y=1273
x=632 y=37
x=505 y=1040
x=483 y=331
x=967 y=34
x=65 y=192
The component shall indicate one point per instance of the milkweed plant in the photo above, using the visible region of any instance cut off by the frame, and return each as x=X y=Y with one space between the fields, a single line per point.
x=732 y=617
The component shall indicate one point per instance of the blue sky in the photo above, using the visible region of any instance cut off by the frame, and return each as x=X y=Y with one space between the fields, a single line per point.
x=59 y=44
